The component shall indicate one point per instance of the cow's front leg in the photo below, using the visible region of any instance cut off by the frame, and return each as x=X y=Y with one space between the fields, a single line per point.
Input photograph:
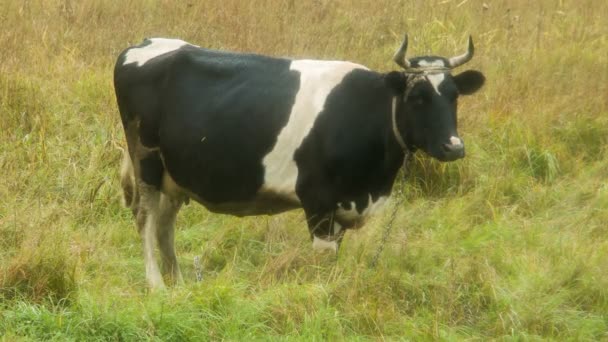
x=326 y=233
x=319 y=204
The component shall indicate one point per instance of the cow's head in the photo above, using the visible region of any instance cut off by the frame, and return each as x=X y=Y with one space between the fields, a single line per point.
x=424 y=110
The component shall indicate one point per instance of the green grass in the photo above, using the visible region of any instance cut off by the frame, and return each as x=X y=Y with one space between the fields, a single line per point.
x=510 y=243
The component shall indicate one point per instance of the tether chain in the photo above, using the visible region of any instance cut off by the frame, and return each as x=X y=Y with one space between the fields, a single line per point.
x=400 y=198
x=198 y=270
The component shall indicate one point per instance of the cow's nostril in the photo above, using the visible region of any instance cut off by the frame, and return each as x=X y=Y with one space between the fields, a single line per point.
x=453 y=151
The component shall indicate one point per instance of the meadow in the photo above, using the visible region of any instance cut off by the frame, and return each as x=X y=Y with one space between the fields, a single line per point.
x=510 y=243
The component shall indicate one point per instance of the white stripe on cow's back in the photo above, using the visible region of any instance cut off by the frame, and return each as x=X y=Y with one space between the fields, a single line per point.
x=435 y=79
x=157 y=47
x=317 y=80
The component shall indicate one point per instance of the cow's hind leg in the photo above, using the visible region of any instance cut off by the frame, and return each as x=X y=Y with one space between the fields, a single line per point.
x=141 y=195
x=128 y=183
x=156 y=221
x=168 y=209
x=147 y=221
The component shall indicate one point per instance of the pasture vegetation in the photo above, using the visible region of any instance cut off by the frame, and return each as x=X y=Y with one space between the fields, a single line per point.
x=509 y=243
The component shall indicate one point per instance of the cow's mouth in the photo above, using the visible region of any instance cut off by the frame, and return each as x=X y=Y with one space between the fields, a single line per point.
x=450 y=152
x=447 y=152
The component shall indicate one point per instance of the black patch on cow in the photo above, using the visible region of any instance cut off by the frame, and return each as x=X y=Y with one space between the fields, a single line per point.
x=350 y=152
x=151 y=168
x=396 y=81
x=221 y=114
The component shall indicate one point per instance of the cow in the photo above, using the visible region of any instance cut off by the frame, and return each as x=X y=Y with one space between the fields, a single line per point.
x=248 y=134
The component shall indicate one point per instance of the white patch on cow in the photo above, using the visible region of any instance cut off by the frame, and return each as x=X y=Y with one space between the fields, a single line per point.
x=337 y=228
x=320 y=245
x=373 y=207
x=347 y=214
x=127 y=180
x=317 y=80
x=455 y=141
x=159 y=46
x=352 y=215
x=435 y=79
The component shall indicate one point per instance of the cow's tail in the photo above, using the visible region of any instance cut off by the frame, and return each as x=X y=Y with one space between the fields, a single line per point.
x=128 y=183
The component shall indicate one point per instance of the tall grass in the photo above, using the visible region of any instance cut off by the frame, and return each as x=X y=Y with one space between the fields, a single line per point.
x=510 y=243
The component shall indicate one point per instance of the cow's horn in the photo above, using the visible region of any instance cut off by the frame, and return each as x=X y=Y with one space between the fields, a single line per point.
x=399 y=57
x=465 y=57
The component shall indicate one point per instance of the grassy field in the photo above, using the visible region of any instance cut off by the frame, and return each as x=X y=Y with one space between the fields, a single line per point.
x=510 y=243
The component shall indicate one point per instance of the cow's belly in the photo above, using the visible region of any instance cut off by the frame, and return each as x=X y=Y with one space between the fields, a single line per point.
x=265 y=202
x=261 y=205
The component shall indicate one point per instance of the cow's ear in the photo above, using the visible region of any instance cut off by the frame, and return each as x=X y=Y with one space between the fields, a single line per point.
x=470 y=81
x=396 y=81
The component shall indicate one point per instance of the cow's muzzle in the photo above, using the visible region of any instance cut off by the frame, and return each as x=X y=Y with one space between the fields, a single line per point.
x=453 y=150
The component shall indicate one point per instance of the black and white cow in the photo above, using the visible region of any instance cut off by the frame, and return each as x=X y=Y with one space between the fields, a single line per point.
x=245 y=134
